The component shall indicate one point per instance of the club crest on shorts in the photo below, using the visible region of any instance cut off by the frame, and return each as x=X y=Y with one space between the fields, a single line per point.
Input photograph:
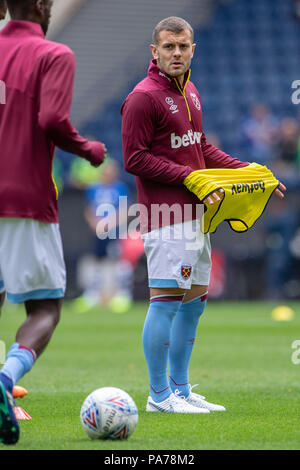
x=186 y=271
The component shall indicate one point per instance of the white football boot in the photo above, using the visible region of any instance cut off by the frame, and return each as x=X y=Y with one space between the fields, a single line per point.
x=198 y=401
x=173 y=404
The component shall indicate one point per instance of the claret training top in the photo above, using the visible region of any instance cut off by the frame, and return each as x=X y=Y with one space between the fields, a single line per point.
x=36 y=83
x=163 y=142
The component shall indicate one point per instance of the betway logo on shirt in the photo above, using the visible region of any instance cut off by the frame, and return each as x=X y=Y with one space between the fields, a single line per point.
x=191 y=138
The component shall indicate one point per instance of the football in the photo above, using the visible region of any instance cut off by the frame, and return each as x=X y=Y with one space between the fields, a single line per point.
x=109 y=413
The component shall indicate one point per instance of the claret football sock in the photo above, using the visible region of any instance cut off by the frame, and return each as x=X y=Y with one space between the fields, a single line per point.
x=19 y=361
x=183 y=335
x=156 y=342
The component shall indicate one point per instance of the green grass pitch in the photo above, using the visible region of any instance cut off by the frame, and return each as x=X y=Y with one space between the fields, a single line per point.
x=242 y=359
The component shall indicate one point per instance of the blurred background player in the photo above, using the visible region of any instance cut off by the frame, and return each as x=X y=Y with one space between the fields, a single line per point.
x=107 y=277
x=259 y=133
x=38 y=76
x=163 y=143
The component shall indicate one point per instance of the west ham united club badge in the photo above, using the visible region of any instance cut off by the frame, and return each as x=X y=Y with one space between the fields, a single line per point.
x=195 y=101
x=186 y=271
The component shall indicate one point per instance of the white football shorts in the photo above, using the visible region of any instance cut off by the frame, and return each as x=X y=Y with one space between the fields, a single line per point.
x=31 y=260
x=178 y=256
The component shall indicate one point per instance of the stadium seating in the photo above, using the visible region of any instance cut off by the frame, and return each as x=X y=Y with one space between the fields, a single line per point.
x=249 y=52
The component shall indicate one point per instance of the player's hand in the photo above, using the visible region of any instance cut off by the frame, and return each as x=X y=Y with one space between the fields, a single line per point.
x=100 y=152
x=214 y=197
x=279 y=190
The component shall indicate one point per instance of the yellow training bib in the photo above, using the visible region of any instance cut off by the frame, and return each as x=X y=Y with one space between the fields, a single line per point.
x=247 y=191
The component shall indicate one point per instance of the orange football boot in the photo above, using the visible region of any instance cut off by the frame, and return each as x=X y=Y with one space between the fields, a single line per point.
x=19 y=392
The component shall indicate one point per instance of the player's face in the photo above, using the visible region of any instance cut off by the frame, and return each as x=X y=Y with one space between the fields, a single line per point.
x=174 y=53
x=3 y=9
